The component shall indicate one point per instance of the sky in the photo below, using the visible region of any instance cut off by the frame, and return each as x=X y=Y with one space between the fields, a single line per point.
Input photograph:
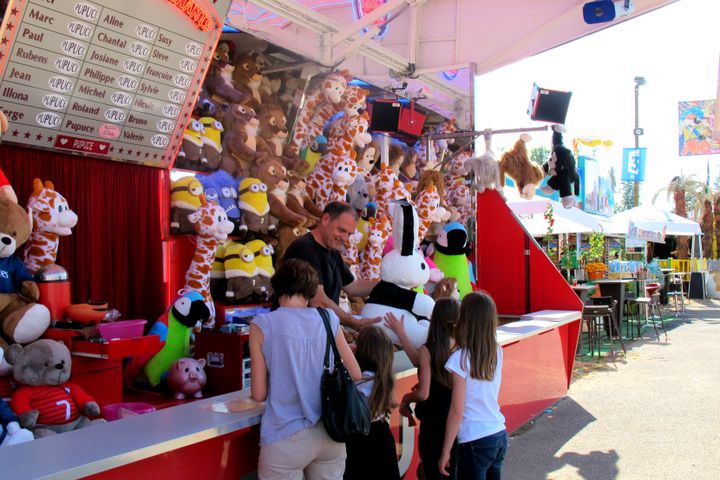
x=676 y=49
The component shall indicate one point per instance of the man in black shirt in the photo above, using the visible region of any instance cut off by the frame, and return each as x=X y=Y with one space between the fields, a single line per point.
x=320 y=249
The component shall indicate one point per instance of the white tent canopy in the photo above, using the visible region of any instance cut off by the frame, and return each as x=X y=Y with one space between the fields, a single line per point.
x=567 y=220
x=435 y=46
x=652 y=219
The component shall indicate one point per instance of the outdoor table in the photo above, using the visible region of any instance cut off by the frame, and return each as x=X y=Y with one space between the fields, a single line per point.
x=583 y=291
x=616 y=290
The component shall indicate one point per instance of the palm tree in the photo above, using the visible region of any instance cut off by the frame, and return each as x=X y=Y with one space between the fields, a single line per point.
x=677 y=188
x=704 y=200
x=716 y=217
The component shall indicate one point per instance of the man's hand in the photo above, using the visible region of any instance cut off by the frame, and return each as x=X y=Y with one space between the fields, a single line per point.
x=361 y=323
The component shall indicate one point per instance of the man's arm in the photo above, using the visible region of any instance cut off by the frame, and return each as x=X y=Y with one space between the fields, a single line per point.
x=360 y=287
x=322 y=300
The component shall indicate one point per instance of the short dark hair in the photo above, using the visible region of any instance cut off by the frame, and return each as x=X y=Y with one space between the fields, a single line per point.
x=335 y=209
x=293 y=277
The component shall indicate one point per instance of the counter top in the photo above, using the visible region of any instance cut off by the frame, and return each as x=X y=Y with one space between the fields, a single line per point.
x=98 y=448
x=611 y=280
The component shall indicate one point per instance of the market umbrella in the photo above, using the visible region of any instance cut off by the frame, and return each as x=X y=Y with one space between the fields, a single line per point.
x=567 y=220
x=652 y=219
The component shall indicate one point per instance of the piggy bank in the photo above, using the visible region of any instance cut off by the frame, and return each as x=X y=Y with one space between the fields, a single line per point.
x=186 y=378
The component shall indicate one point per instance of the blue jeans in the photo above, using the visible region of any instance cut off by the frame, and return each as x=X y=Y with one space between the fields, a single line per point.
x=482 y=459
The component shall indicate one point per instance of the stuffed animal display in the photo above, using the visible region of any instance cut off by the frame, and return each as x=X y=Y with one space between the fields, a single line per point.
x=450 y=256
x=47 y=402
x=516 y=164
x=22 y=319
x=403 y=269
x=562 y=171
x=484 y=168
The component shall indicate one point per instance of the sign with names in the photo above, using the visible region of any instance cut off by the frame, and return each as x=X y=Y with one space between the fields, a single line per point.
x=105 y=78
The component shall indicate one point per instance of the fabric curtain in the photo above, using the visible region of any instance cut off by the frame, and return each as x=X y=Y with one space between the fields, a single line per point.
x=115 y=252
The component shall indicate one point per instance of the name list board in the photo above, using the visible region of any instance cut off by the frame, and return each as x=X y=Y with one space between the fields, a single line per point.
x=93 y=77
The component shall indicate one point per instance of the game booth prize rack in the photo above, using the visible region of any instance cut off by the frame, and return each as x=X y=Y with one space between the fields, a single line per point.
x=237 y=126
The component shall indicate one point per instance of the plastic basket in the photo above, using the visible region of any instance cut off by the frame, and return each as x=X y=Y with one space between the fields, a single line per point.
x=118 y=411
x=121 y=329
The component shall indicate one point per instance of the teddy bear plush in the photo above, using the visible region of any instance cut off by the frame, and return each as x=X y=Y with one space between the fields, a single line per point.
x=47 y=402
x=287 y=235
x=403 y=269
x=299 y=201
x=517 y=165
x=562 y=171
x=248 y=79
x=22 y=319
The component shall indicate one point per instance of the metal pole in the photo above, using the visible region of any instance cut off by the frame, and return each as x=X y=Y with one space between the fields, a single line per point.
x=637 y=132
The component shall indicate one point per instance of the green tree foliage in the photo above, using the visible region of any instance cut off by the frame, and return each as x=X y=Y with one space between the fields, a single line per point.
x=626 y=198
x=539 y=155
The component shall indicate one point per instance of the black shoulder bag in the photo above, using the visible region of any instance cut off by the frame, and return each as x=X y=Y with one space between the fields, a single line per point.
x=345 y=412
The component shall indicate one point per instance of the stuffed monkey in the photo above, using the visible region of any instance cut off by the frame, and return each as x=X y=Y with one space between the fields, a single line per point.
x=563 y=174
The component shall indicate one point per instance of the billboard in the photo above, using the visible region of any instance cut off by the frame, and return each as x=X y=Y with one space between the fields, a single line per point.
x=696 y=120
x=596 y=186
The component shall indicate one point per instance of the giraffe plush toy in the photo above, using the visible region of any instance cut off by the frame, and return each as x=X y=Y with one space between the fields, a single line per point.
x=337 y=169
x=320 y=105
x=429 y=210
x=212 y=227
x=52 y=219
x=388 y=188
x=371 y=256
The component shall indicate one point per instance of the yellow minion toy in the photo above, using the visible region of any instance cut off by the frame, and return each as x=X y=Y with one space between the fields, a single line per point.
x=254 y=207
x=185 y=195
x=240 y=272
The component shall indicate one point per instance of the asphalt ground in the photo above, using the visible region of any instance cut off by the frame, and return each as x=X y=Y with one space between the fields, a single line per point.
x=652 y=414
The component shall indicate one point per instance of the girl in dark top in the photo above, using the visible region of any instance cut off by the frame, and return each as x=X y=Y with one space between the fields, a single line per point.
x=374 y=456
x=433 y=392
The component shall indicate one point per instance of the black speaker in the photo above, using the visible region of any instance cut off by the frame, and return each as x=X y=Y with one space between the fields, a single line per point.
x=696 y=289
x=384 y=115
x=549 y=105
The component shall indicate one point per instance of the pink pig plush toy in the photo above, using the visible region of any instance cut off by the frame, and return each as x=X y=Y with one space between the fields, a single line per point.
x=186 y=378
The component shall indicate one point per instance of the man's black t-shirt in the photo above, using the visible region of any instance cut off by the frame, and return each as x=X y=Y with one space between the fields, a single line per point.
x=331 y=269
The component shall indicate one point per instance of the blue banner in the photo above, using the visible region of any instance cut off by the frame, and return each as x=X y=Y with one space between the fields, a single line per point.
x=633 y=166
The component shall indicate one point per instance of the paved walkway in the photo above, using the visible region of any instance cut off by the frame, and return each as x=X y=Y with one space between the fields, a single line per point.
x=653 y=415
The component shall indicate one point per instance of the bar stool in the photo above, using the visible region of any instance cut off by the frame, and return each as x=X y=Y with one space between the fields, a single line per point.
x=656 y=315
x=601 y=316
x=676 y=291
x=611 y=322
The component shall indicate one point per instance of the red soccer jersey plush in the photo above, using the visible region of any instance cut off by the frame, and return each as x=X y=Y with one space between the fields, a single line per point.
x=57 y=404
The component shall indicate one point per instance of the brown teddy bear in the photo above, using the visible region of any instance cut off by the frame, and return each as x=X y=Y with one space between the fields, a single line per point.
x=219 y=80
x=272 y=173
x=47 y=402
x=22 y=319
x=248 y=79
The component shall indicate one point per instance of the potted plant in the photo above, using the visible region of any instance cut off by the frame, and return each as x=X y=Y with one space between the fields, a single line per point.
x=596 y=268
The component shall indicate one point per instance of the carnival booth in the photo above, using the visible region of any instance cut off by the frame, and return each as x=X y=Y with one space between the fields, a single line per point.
x=231 y=131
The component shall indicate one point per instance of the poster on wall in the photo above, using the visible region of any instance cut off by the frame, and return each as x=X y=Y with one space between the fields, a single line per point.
x=91 y=77
x=597 y=191
x=696 y=123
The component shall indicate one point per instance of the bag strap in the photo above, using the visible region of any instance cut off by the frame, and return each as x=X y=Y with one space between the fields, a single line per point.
x=330 y=341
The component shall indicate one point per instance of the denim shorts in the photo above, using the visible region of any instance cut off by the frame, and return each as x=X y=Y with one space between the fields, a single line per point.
x=482 y=459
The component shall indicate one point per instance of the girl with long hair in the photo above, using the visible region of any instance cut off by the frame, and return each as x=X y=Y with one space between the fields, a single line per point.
x=374 y=456
x=474 y=418
x=433 y=392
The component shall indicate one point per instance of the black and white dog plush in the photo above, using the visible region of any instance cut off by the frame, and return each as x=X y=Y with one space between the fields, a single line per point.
x=403 y=269
x=562 y=170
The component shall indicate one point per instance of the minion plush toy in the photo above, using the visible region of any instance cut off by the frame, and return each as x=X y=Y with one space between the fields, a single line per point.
x=240 y=272
x=211 y=143
x=255 y=209
x=191 y=148
x=184 y=200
